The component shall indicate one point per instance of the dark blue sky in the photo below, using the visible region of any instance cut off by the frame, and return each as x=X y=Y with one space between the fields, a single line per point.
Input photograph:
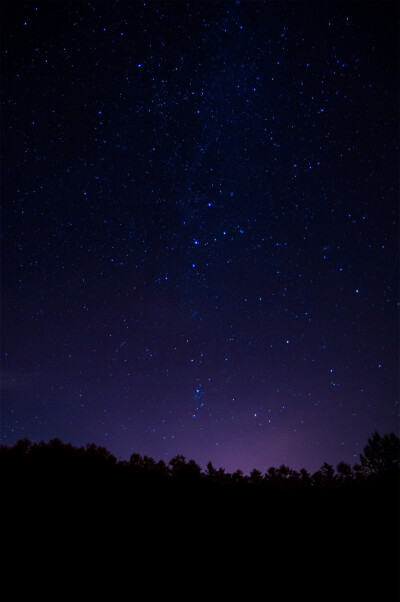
x=200 y=228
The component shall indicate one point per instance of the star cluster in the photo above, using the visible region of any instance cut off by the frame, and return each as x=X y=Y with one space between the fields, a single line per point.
x=200 y=227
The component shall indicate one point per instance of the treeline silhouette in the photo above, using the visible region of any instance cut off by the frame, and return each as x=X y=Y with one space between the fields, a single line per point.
x=380 y=460
x=77 y=525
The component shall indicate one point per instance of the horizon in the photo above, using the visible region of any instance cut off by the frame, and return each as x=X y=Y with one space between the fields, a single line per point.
x=200 y=230
x=202 y=465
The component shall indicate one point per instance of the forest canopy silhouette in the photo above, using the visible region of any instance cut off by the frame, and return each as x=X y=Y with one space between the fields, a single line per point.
x=380 y=460
x=78 y=525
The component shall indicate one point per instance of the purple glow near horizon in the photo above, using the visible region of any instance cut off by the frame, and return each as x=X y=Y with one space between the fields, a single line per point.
x=200 y=229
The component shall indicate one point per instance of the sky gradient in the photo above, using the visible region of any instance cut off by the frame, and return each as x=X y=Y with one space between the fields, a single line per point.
x=200 y=228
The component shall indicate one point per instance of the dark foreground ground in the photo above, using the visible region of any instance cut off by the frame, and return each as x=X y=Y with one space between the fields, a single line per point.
x=102 y=538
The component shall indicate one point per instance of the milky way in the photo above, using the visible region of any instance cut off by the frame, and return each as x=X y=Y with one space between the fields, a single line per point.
x=200 y=233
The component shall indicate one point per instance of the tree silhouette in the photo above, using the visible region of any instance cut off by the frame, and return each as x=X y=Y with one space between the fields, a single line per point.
x=272 y=474
x=284 y=472
x=192 y=470
x=304 y=478
x=328 y=474
x=210 y=470
x=344 y=473
x=220 y=475
x=161 y=469
x=100 y=453
x=136 y=462
x=325 y=476
x=256 y=476
x=22 y=448
x=57 y=495
x=184 y=471
x=381 y=455
x=177 y=465
x=237 y=476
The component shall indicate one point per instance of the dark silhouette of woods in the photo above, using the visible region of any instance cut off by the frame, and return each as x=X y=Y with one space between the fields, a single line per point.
x=79 y=525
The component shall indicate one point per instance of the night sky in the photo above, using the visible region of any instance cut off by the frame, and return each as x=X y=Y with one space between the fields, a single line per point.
x=199 y=232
